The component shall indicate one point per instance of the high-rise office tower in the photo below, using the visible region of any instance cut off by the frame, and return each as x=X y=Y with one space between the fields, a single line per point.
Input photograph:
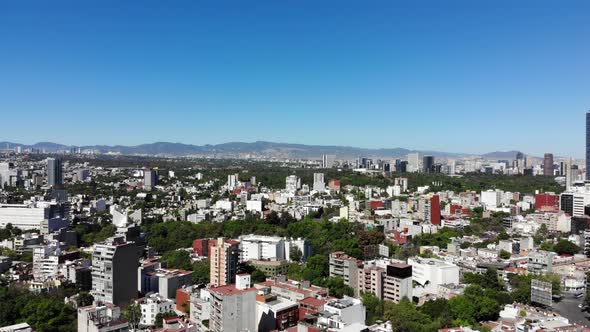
x=224 y=257
x=588 y=145
x=54 y=172
x=548 y=164
x=567 y=172
x=150 y=178
x=520 y=162
x=428 y=164
x=114 y=271
x=452 y=166
x=413 y=162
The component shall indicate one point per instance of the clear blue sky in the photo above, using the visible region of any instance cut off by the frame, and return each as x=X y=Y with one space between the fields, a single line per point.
x=458 y=76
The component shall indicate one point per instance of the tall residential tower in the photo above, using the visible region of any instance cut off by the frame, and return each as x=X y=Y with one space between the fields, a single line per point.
x=114 y=271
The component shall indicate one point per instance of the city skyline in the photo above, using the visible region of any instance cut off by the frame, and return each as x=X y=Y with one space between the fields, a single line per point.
x=169 y=148
x=467 y=77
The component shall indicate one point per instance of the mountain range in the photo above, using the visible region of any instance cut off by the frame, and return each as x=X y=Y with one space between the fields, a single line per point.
x=259 y=148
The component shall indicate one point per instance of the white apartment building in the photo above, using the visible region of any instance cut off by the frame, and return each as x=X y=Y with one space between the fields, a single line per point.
x=200 y=308
x=255 y=247
x=292 y=183
x=102 y=318
x=402 y=182
x=430 y=273
x=122 y=218
x=395 y=190
x=491 y=199
x=342 y=313
x=31 y=215
x=45 y=261
x=232 y=181
x=254 y=206
x=226 y=205
x=151 y=306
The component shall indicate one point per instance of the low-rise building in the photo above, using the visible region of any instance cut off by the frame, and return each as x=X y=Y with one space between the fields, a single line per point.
x=271 y=268
x=275 y=313
x=152 y=305
x=430 y=273
x=101 y=318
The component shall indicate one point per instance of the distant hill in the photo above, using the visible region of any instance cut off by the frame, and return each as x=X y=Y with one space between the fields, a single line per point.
x=510 y=155
x=259 y=148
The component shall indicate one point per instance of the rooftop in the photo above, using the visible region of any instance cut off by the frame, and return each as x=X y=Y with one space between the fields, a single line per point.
x=228 y=290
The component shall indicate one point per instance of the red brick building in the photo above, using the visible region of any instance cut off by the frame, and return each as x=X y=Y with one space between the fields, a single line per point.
x=547 y=202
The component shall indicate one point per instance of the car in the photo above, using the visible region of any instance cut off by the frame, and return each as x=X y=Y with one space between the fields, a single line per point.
x=580 y=305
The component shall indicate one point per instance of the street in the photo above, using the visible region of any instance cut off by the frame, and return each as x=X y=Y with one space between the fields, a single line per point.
x=568 y=307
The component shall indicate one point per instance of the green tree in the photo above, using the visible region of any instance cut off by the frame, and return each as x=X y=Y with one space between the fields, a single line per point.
x=177 y=259
x=201 y=270
x=505 y=254
x=295 y=254
x=566 y=247
x=541 y=234
x=337 y=288
x=405 y=317
x=159 y=319
x=133 y=315
x=295 y=271
x=316 y=269
x=258 y=276
x=438 y=310
x=374 y=308
x=463 y=309
x=84 y=299
x=547 y=246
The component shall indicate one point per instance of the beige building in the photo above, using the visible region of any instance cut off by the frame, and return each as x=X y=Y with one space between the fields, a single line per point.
x=392 y=282
x=224 y=257
x=344 y=267
x=370 y=280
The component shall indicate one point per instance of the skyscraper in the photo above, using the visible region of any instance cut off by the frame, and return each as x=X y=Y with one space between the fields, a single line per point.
x=413 y=162
x=587 y=145
x=328 y=160
x=428 y=164
x=150 y=179
x=54 y=172
x=567 y=172
x=548 y=164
